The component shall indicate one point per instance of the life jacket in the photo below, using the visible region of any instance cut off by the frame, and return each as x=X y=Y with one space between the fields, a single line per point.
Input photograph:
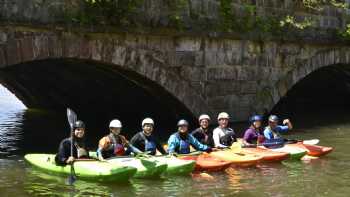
x=116 y=148
x=184 y=146
x=149 y=145
x=228 y=138
x=81 y=152
x=204 y=137
x=275 y=134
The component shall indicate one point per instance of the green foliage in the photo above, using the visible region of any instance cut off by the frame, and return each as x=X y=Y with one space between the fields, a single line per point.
x=227 y=17
x=111 y=12
x=175 y=17
x=289 y=21
x=318 y=4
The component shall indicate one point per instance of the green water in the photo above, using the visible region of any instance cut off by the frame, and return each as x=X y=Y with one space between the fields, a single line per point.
x=23 y=131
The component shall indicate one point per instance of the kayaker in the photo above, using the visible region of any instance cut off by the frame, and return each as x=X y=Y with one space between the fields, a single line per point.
x=273 y=131
x=114 y=144
x=223 y=136
x=180 y=141
x=203 y=134
x=253 y=136
x=145 y=140
x=64 y=156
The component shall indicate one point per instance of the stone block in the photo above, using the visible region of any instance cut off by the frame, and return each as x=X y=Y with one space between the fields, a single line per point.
x=249 y=87
x=221 y=73
x=210 y=58
x=40 y=47
x=199 y=58
x=97 y=50
x=119 y=55
x=55 y=47
x=27 y=49
x=3 y=62
x=188 y=44
x=222 y=88
x=193 y=73
x=13 y=52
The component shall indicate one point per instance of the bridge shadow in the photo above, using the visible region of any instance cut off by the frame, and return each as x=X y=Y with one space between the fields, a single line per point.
x=97 y=92
x=321 y=98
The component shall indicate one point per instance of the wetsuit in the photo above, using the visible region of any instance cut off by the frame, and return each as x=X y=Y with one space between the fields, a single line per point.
x=146 y=143
x=64 y=151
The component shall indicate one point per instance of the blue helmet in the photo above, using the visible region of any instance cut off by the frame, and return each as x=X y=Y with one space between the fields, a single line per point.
x=273 y=118
x=255 y=118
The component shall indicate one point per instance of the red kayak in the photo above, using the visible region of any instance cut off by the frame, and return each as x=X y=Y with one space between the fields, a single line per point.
x=268 y=155
x=313 y=150
x=206 y=162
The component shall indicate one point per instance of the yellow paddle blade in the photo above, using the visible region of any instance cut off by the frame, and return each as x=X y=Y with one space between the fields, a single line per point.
x=236 y=147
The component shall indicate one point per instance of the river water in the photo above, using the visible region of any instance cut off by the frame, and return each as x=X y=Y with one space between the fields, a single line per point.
x=23 y=131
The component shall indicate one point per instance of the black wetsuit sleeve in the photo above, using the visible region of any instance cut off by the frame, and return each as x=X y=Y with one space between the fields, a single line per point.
x=63 y=152
x=138 y=142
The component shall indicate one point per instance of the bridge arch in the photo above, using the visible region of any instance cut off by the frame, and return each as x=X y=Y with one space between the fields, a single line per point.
x=127 y=54
x=267 y=97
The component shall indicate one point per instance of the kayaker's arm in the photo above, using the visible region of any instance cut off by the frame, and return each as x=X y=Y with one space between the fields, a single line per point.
x=172 y=144
x=63 y=152
x=102 y=145
x=268 y=134
x=199 y=146
x=288 y=123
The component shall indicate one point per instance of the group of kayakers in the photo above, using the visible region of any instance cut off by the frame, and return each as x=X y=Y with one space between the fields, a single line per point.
x=202 y=139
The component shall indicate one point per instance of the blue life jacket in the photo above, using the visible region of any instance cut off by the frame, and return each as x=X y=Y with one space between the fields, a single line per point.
x=149 y=145
x=184 y=146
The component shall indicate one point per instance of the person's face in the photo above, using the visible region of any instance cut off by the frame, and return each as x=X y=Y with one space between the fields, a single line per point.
x=257 y=124
x=79 y=132
x=272 y=124
x=183 y=128
x=223 y=122
x=115 y=131
x=204 y=123
x=148 y=129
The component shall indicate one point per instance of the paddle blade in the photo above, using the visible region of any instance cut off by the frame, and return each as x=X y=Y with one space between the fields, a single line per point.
x=72 y=117
x=311 y=142
x=71 y=179
x=236 y=147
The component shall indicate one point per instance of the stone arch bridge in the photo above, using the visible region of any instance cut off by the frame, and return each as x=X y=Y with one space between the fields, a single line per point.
x=206 y=75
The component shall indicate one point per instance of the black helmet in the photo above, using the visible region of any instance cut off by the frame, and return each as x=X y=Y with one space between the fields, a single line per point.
x=79 y=124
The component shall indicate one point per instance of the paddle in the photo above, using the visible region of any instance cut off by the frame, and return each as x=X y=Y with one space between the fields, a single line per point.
x=309 y=142
x=72 y=118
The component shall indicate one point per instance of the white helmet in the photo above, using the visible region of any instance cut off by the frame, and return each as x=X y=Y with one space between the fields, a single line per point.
x=223 y=115
x=115 y=124
x=147 y=121
x=204 y=116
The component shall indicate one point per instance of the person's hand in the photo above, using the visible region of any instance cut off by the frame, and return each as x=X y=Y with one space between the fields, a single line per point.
x=215 y=149
x=286 y=121
x=101 y=158
x=70 y=160
x=173 y=154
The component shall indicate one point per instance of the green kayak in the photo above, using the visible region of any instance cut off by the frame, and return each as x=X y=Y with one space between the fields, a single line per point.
x=85 y=170
x=176 y=166
x=296 y=153
x=146 y=167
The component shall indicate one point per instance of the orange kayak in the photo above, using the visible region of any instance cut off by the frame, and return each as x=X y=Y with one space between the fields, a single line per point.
x=206 y=162
x=238 y=159
x=313 y=150
x=268 y=155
